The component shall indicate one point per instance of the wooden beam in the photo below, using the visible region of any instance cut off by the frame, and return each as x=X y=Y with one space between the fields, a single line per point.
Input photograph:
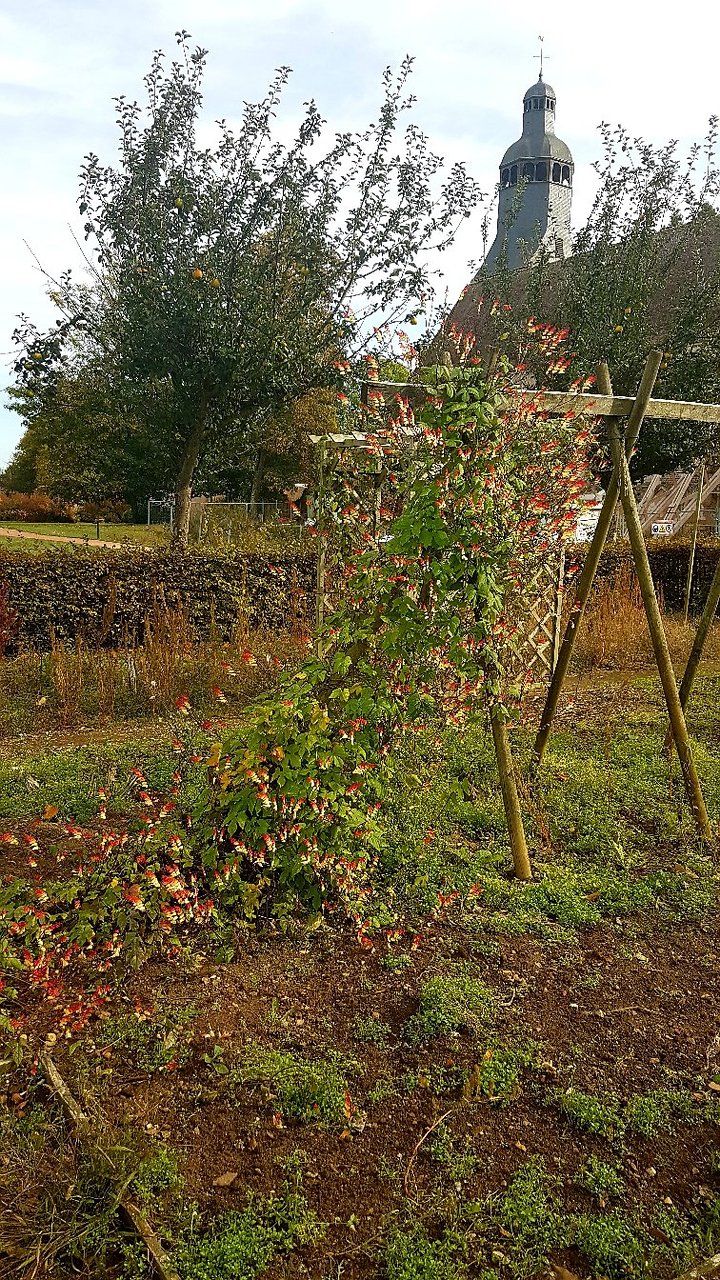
x=581 y=403
x=598 y=405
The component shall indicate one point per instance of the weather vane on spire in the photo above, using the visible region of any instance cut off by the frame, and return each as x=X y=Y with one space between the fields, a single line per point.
x=540 y=54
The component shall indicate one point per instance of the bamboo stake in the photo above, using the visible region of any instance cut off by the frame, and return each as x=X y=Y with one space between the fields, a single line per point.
x=322 y=550
x=657 y=632
x=696 y=652
x=691 y=563
x=592 y=559
x=511 y=800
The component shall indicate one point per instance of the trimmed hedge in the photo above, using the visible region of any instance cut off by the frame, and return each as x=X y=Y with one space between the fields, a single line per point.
x=105 y=597
x=669 y=564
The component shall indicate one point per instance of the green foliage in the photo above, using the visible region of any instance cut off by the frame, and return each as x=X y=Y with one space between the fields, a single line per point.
x=412 y=1255
x=652 y=233
x=451 y=1002
x=156 y=1176
x=241 y=1245
x=297 y=245
x=310 y=1091
x=458 y=1162
x=497 y=1076
x=612 y=1245
x=608 y=1117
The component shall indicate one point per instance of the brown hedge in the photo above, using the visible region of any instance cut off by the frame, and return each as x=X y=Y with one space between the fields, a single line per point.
x=105 y=597
x=669 y=565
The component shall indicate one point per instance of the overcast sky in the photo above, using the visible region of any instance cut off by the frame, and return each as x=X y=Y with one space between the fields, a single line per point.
x=62 y=61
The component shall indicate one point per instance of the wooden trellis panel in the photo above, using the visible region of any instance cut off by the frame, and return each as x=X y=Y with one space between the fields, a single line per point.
x=540 y=615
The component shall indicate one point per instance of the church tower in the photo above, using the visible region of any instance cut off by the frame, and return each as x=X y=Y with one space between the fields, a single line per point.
x=536 y=176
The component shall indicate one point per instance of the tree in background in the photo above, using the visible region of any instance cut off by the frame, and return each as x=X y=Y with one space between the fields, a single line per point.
x=645 y=273
x=229 y=280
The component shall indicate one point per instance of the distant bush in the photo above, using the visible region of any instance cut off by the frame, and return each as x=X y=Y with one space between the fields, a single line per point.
x=112 y=510
x=32 y=508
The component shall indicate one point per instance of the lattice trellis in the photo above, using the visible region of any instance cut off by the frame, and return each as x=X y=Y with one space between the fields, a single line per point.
x=539 y=613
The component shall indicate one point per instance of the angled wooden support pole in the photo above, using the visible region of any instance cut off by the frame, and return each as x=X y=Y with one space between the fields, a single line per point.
x=696 y=652
x=655 y=625
x=511 y=800
x=592 y=559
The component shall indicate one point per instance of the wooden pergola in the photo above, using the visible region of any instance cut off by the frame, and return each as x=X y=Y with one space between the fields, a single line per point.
x=624 y=416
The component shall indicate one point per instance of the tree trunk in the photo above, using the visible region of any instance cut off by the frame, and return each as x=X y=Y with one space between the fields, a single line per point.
x=183 y=488
x=257 y=481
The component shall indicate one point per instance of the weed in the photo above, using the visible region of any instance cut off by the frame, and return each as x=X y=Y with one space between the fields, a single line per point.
x=371 y=1030
x=241 y=1245
x=304 y=1090
x=156 y=1175
x=647 y=1114
x=451 y=1002
x=611 y=1245
x=652 y=1113
x=600 y=1179
x=396 y=962
x=598 y=1115
x=497 y=1075
x=458 y=1162
x=412 y=1255
x=524 y=1224
x=153 y=1042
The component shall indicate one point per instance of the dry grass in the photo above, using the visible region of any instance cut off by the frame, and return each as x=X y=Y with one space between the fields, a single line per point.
x=72 y=687
x=614 y=632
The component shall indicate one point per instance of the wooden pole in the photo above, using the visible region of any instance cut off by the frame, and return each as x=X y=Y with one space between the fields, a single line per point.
x=691 y=563
x=511 y=800
x=592 y=559
x=657 y=632
x=696 y=652
x=322 y=550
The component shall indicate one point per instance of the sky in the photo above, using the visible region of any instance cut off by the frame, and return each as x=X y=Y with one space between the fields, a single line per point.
x=63 y=61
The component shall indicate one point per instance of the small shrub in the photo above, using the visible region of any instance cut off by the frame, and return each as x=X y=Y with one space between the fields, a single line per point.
x=448 y=1003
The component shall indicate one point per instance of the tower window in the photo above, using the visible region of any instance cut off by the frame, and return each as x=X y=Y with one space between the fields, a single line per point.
x=566 y=174
x=528 y=171
x=556 y=173
x=513 y=175
x=505 y=177
x=541 y=172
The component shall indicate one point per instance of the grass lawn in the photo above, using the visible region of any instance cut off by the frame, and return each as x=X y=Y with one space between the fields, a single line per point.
x=154 y=535
x=512 y=1076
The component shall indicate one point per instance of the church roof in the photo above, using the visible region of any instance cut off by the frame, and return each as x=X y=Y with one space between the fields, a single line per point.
x=540 y=90
x=533 y=147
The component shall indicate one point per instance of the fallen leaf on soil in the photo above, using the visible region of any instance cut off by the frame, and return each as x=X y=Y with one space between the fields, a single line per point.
x=225 y=1180
x=714 y=1086
x=562 y=1273
x=51 y=811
